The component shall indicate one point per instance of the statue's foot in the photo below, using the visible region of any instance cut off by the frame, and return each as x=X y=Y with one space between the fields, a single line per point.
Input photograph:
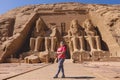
x=93 y=50
x=82 y=50
x=76 y=50
x=99 y=49
x=52 y=51
x=46 y=51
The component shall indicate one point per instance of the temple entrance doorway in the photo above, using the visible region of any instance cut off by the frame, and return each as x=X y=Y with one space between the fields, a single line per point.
x=68 y=56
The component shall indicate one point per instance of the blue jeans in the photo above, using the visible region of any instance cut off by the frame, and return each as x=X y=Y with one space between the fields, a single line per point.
x=60 y=67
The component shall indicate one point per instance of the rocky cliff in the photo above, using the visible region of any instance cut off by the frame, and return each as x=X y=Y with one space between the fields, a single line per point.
x=16 y=25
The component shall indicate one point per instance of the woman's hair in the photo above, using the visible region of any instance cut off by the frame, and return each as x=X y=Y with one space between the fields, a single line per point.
x=62 y=42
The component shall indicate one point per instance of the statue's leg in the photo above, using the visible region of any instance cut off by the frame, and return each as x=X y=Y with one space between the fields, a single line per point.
x=98 y=43
x=53 y=43
x=38 y=25
x=75 y=43
x=37 y=28
x=38 y=43
x=47 y=43
x=71 y=48
x=32 y=44
x=92 y=43
x=82 y=44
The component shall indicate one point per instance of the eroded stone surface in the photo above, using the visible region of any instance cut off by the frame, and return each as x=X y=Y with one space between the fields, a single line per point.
x=39 y=28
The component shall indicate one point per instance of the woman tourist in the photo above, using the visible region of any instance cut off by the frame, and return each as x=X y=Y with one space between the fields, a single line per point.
x=61 y=58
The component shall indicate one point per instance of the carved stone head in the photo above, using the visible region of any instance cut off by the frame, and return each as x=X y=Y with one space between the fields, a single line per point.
x=88 y=25
x=74 y=27
x=74 y=23
x=55 y=31
x=89 y=28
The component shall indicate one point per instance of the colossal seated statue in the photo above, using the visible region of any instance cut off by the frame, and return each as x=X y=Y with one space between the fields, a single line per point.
x=76 y=33
x=44 y=37
x=38 y=36
x=54 y=37
x=91 y=36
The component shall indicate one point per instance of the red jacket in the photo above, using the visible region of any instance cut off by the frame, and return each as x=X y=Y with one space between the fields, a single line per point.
x=61 y=49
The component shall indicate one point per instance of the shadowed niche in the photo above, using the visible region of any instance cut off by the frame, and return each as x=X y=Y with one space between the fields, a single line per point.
x=103 y=43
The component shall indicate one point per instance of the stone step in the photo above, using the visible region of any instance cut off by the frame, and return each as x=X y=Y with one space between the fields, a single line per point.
x=110 y=59
x=90 y=56
x=68 y=61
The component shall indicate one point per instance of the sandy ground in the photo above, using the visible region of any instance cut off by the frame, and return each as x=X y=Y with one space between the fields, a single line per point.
x=12 y=69
x=73 y=71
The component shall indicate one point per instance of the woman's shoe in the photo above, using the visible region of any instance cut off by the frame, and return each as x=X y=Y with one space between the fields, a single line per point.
x=55 y=77
x=63 y=76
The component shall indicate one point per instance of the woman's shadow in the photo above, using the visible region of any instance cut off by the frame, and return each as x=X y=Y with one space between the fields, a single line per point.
x=81 y=77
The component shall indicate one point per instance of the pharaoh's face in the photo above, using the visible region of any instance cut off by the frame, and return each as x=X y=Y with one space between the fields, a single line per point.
x=74 y=26
x=88 y=26
x=75 y=23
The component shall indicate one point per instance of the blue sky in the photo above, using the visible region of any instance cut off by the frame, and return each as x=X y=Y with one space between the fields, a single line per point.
x=6 y=5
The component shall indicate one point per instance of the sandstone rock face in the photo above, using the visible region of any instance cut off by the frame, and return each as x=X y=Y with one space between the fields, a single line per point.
x=41 y=27
x=6 y=28
x=107 y=19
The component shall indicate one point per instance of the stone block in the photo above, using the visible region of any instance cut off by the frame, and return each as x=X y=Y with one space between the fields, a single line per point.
x=32 y=59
